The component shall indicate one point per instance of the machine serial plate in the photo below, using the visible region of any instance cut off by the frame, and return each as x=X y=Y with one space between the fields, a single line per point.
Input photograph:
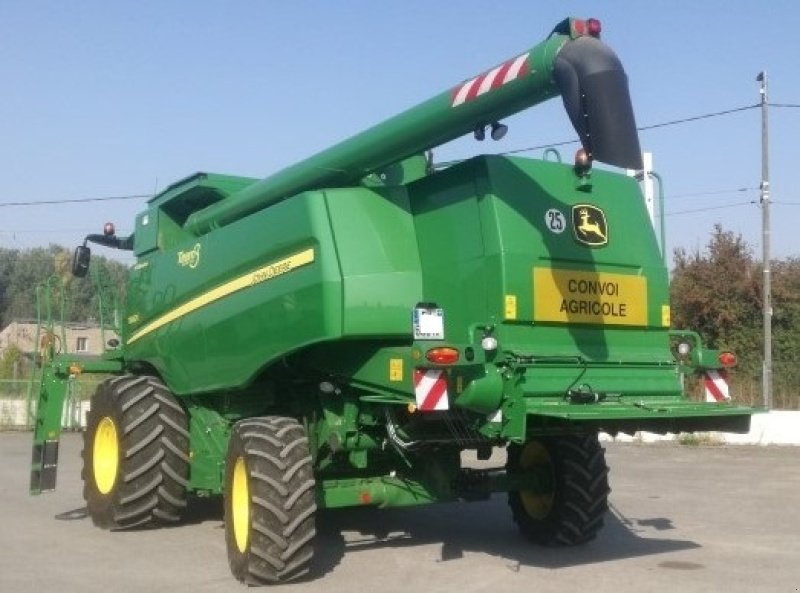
x=428 y=324
x=571 y=296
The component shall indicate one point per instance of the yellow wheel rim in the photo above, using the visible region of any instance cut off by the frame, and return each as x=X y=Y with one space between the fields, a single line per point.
x=240 y=505
x=105 y=455
x=534 y=455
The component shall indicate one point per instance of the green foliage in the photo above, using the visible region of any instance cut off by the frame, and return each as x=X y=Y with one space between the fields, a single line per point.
x=11 y=363
x=718 y=293
x=698 y=439
x=22 y=270
x=786 y=308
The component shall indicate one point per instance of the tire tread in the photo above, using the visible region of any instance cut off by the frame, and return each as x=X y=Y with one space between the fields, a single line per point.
x=282 y=501
x=581 y=492
x=154 y=454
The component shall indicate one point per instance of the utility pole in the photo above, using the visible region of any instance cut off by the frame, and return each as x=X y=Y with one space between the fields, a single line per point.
x=765 y=240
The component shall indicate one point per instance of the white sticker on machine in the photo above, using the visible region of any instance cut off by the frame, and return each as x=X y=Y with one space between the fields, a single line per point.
x=428 y=323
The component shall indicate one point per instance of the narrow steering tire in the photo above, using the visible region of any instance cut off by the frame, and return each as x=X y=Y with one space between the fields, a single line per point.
x=569 y=510
x=135 y=454
x=269 y=501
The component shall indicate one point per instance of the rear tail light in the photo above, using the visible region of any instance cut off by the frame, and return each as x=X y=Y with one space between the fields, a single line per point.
x=443 y=355
x=593 y=27
x=727 y=359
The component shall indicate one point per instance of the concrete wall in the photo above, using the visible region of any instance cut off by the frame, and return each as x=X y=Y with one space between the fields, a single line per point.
x=13 y=414
x=771 y=428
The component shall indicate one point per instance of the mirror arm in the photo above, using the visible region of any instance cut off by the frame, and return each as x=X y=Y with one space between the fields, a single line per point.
x=110 y=241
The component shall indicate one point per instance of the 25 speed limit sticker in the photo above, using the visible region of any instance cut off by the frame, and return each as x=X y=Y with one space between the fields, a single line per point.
x=555 y=221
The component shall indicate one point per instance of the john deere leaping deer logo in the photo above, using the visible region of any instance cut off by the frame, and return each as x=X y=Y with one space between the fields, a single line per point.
x=589 y=225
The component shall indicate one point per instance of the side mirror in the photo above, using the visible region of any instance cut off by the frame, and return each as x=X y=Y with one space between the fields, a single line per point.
x=80 y=261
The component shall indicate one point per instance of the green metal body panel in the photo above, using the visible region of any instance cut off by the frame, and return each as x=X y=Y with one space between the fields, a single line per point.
x=56 y=374
x=294 y=296
x=359 y=273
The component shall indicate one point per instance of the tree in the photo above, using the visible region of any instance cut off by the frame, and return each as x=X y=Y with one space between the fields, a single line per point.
x=786 y=332
x=717 y=292
x=8 y=259
x=21 y=271
x=11 y=361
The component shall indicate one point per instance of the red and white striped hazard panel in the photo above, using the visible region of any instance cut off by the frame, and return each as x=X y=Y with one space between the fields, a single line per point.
x=716 y=384
x=493 y=79
x=430 y=389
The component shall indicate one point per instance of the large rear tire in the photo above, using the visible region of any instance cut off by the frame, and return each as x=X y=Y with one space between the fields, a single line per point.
x=135 y=454
x=569 y=512
x=269 y=501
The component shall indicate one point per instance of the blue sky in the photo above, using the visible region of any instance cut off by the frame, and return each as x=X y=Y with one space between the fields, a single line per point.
x=123 y=98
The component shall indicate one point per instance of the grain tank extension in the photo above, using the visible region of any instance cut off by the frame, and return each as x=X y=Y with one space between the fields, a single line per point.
x=339 y=333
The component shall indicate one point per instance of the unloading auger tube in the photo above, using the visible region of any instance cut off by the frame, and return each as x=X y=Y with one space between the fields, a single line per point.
x=572 y=62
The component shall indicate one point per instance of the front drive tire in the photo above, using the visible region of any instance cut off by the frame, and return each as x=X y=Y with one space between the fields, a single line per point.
x=135 y=454
x=570 y=512
x=269 y=501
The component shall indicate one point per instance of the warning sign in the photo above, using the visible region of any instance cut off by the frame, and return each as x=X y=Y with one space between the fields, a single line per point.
x=572 y=296
x=716 y=386
x=430 y=390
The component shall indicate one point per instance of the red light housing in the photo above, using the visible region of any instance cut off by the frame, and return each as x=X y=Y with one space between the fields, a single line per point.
x=443 y=355
x=594 y=27
x=727 y=359
x=579 y=27
x=108 y=229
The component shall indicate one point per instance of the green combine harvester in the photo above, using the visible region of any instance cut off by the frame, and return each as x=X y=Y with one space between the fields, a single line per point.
x=339 y=333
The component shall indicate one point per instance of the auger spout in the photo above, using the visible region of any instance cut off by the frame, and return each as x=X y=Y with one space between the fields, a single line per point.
x=569 y=62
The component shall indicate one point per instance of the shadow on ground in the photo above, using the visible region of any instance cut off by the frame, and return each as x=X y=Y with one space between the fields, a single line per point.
x=482 y=527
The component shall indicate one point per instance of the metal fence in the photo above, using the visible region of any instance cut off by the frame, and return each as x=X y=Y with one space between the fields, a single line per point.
x=18 y=402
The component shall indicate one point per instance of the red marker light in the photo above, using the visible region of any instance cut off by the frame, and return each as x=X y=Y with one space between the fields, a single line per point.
x=727 y=359
x=579 y=27
x=108 y=229
x=594 y=27
x=444 y=355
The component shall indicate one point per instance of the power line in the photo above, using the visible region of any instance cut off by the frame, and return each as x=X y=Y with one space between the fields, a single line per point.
x=698 y=117
x=665 y=124
x=447 y=163
x=708 y=208
x=75 y=201
x=673 y=122
x=710 y=193
x=47 y=231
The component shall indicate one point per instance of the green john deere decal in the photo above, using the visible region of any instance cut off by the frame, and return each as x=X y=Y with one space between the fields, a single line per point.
x=190 y=258
x=251 y=278
x=589 y=225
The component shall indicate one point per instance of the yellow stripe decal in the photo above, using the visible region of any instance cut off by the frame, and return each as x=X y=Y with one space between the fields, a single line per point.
x=257 y=276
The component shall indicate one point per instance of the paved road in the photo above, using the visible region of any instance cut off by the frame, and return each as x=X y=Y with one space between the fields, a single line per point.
x=683 y=519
